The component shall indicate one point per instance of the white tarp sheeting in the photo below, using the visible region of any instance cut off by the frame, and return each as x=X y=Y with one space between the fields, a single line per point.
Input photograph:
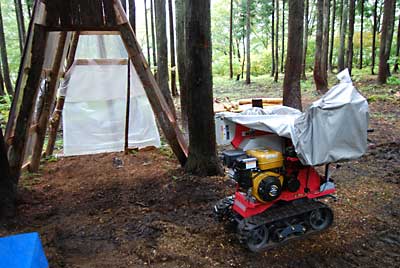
x=332 y=129
x=95 y=104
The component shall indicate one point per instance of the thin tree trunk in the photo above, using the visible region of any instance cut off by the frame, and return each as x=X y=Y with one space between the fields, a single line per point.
x=386 y=40
x=8 y=186
x=319 y=73
x=325 y=38
x=202 y=158
x=162 y=52
x=181 y=58
x=132 y=14
x=2 y=89
x=147 y=32
x=360 y=63
x=4 y=58
x=374 y=29
x=231 y=41
x=153 y=35
x=20 y=23
x=172 y=49
x=248 y=29
x=273 y=39
x=330 y=67
x=276 y=41
x=343 y=27
x=396 y=66
x=294 y=56
x=350 y=52
x=283 y=36
x=244 y=54
x=305 y=40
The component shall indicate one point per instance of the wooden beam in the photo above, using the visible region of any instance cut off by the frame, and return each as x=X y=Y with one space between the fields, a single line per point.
x=48 y=102
x=56 y=116
x=17 y=148
x=101 y=62
x=160 y=107
x=82 y=28
x=99 y=33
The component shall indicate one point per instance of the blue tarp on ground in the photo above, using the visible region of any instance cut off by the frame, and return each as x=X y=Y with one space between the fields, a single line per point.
x=22 y=251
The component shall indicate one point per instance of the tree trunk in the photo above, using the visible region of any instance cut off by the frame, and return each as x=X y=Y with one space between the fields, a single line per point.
x=153 y=36
x=350 y=52
x=283 y=36
x=320 y=75
x=202 y=158
x=8 y=186
x=273 y=39
x=4 y=58
x=181 y=58
x=147 y=32
x=294 y=56
x=305 y=40
x=20 y=23
x=360 y=63
x=248 y=29
x=2 y=89
x=325 y=38
x=396 y=66
x=332 y=39
x=162 y=52
x=386 y=40
x=244 y=52
x=231 y=41
x=374 y=30
x=132 y=14
x=343 y=27
x=172 y=49
x=276 y=74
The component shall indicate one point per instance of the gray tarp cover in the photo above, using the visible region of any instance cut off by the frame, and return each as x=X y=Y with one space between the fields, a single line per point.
x=333 y=128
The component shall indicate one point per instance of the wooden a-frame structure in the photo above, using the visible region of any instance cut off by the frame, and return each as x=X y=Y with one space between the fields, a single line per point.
x=69 y=19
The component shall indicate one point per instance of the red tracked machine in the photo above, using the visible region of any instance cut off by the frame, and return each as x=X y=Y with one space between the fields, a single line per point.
x=276 y=198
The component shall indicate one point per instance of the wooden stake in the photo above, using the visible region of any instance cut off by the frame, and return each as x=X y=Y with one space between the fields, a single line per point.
x=56 y=117
x=48 y=101
x=30 y=89
x=128 y=107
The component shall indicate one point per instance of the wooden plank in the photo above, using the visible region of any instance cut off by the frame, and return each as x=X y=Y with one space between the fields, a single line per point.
x=82 y=28
x=52 y=13
x=86 y=18
x=48 y=101
x=109 y=12
x=65 y=11
x=96 y=9
x=99 y=33
x=30 y=89
x=160 y=107
x=75 y=12
x=101 y=61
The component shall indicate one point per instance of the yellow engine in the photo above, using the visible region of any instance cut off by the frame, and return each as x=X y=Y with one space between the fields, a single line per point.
x=267 y=185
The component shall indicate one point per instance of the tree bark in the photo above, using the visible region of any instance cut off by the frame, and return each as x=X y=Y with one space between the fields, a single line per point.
x=181 y=57
x=2 y=89
x=305 y=39
x=202 y=158
x=8 y=186
x=153 y=36
x=162 y=52
x=276 y=74
x=325 y=38
x=332 y=42
x=20 y=23
x=248 y=29
x=132 y=14
x=273 y=38
x=147 y=32
x=396 y=66
x=294 y=56
x=386 y=40
x=320 y=75
x=374 y=29
x=343 y=27
x=283 y=36
x=350 y=52
x=231 y=41
x=172 y=49
x=4 y=58
x=360 y=62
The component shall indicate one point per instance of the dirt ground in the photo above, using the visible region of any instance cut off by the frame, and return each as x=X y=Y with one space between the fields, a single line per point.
x=93 y=211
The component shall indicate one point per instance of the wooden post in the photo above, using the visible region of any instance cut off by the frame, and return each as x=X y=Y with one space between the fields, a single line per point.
x=128 y=107
x=30 y=89
x=48 y=101
x=8 y=186
x=56 y=117
x=160 y=107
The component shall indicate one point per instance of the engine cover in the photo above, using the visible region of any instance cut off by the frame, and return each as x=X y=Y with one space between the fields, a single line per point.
x=267 y=186
x=267 y=159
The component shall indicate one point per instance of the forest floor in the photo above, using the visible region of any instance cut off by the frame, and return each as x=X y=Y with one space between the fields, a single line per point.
x=91 y=212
